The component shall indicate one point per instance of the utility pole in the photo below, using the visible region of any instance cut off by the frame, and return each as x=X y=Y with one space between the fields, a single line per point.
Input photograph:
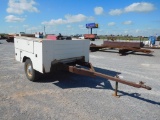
x=44 y=30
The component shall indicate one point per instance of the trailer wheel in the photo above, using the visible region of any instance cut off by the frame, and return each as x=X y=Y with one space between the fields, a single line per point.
x=31 y=74
x=94 y=49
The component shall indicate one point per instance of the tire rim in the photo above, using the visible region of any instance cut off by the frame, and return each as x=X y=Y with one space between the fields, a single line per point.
x=29 y=70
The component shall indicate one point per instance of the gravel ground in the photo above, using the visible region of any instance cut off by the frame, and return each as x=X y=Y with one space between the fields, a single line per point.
x=75 y=97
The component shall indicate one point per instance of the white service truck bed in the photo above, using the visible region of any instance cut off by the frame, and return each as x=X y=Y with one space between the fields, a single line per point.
x=43 y=53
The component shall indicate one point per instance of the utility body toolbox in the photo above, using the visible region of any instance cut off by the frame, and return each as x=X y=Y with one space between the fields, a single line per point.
x=44 y=53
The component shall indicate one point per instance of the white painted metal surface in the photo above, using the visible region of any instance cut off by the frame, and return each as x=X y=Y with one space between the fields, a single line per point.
x=43 y=53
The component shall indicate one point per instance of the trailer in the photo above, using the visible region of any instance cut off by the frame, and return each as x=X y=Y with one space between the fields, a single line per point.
x=41 y=56
x=123 y=47
x=90 y=36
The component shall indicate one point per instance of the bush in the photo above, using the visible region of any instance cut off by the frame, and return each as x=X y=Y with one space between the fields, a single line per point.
x=158 y=38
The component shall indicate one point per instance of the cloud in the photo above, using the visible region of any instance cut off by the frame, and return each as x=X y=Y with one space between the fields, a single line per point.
x=12 y=18
x=140 y=7
x=135 y=7
x=68 y=19
x=20 y=6
x=75 y=18
x=126 y=31
x=54 y=22
x=25 y=26
x=116 y=12
x=81 y=27
x=98 y=10
x=137 y=30
x=127 y=22
x=68 y=26
x=33 y=28
x=111 y=24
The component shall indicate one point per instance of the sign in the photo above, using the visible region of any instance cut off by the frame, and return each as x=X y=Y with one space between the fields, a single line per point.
x=91 y=25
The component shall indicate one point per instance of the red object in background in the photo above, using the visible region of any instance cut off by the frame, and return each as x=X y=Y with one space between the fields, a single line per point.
x=51 y=37
x=90 y=36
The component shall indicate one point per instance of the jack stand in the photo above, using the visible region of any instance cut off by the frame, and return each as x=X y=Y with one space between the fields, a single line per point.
x=116 y=90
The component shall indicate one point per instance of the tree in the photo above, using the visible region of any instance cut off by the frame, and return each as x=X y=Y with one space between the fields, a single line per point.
x=158 y=38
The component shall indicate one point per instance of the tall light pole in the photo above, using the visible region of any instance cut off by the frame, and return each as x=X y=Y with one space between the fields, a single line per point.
x=44 y=30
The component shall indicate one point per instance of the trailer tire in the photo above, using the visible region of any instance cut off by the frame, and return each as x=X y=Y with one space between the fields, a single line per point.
x=7 y=40
x=94 y=49
x=31 y=74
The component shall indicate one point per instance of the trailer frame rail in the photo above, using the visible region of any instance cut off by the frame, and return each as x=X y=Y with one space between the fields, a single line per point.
x=122 y=48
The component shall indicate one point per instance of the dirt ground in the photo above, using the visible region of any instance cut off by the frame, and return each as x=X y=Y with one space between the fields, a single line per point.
x=67 y=96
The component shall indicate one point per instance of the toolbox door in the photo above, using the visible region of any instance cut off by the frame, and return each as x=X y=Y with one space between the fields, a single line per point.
x=25 y=45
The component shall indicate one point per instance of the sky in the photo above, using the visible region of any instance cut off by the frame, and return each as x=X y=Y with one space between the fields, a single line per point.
x=69 y=17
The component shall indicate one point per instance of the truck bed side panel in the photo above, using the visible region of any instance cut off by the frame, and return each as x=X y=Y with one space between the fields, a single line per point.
x=64 y=49
x=24 y=45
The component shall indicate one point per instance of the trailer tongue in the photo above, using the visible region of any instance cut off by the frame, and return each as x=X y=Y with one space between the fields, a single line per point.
x=92 y=73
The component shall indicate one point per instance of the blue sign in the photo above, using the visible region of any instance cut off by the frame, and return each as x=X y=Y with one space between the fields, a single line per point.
x=91 y=25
